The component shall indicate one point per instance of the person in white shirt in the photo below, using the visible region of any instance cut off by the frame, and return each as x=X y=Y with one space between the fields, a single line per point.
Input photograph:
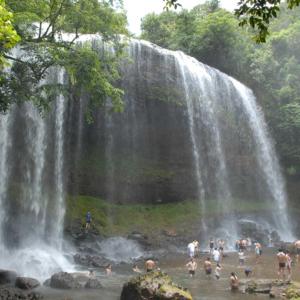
x=216 y=255
x=241 y=258
x=191 y=249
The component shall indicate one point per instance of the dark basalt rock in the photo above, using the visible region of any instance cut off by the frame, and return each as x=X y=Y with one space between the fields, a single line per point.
x=64 y=280
x=7 y=277
x=153 y=285
x=26 y=283
x=93 y=283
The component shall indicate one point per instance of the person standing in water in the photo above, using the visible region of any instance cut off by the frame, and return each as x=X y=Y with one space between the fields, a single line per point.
x=211 y=245
x=207 y=266
x=234 y=282
x=288 y=265
x=218 y=271
x=108 y=270
x=216 y=255
x=297 y=246
x=258 y=252
x=221 y=245
x=241 y=258
x=191 y=249
x=282 y=259
x=192 y=266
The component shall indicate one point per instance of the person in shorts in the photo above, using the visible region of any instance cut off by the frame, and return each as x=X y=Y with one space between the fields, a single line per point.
x=282 y=260
x=192 y=266
x=207 y=266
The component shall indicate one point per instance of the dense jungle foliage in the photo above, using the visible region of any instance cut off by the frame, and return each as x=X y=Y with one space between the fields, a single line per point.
x=272 y=69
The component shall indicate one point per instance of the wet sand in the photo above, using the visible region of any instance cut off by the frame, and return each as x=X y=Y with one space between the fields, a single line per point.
x=201 y=286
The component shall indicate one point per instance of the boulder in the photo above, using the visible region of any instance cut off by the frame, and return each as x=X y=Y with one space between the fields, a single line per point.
x=7 y=277
x=64 y=280
x=154 y=285
x=13 y=293
x=26 y=283
x=93 y=283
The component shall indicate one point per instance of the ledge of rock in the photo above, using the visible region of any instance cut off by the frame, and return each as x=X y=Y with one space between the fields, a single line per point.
x=154 y=285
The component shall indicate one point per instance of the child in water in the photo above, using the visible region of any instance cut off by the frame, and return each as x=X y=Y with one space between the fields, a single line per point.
x=218 y=271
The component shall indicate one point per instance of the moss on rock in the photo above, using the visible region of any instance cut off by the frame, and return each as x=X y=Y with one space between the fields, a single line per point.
x=154 y=285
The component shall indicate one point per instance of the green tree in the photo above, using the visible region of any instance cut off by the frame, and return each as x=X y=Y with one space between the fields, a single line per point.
x=255 y=13
x=259 y=13
x=41 y=25
x=8 y=35
x=218 y=42
x=159 y=29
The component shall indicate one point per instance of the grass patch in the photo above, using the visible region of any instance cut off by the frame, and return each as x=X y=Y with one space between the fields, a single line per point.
x=113 y=219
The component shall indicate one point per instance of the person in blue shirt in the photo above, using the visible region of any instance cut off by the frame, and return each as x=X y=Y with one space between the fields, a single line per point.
x=88 y=219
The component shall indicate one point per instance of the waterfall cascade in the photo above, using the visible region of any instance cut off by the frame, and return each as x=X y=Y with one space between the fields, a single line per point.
x=188 y=132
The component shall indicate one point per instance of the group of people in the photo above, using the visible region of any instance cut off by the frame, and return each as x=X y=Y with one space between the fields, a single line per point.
x=216 y=251
x=212 y=262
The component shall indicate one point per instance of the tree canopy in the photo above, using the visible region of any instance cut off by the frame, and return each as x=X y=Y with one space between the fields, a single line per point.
x=41 y=25
x=255 y=13
x=8 y=35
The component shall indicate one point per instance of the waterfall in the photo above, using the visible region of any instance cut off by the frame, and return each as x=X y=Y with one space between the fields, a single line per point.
x=32 y=188
x=188 y=132
x=59 y=206
x=223 y=120
x=4 y=170
x=267 y=159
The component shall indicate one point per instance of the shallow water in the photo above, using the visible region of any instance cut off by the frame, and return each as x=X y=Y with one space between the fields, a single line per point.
x=201 y=286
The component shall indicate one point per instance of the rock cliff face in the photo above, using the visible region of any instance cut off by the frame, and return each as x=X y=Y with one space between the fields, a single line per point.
x=144 y=153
